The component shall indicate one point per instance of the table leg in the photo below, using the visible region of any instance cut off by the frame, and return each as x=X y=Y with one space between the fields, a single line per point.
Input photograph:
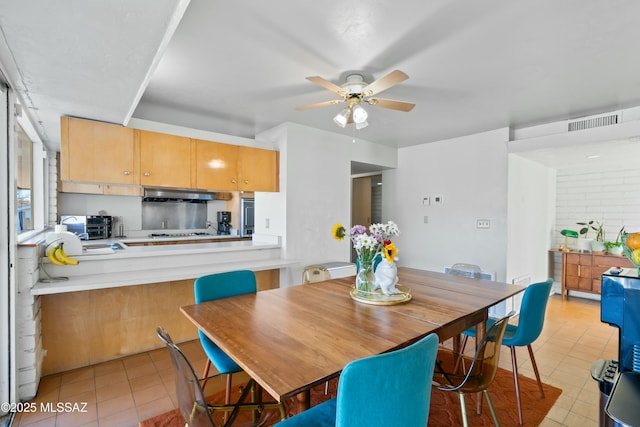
x=481 y=330
x=304 y=400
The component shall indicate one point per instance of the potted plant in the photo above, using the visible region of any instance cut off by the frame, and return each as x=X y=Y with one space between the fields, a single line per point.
x=597 y=244
x=583 y=242
x=615 y=248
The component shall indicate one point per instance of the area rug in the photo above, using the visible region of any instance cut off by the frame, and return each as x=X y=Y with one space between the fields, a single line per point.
x=444 y=409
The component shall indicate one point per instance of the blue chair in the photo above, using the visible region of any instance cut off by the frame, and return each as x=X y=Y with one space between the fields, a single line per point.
x=390 y=389
x=530 y=323
x=218 y=286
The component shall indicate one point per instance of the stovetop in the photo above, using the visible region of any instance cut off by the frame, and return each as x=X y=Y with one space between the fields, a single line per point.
x=197 y=233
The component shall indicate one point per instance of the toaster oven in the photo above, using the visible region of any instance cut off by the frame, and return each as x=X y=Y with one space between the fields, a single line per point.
x=89 y=227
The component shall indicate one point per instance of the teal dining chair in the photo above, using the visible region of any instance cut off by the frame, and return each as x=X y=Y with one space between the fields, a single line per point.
x=218 y=286
x=389 y=389
x=530 y=323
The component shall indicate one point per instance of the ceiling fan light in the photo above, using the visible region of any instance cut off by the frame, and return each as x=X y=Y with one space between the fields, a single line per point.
x=361 y=125
x=359 y=115
x=342 y=117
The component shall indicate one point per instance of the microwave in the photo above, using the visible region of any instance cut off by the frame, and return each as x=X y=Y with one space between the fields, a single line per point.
x=89 y=227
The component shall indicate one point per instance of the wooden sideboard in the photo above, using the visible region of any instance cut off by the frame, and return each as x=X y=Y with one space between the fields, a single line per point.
x=582 y=271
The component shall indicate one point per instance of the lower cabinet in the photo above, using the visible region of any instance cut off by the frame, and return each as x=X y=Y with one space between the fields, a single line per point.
x=88 y=327
x=582 y=271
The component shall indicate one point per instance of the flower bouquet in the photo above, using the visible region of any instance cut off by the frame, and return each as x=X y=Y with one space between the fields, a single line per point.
x=377 y=273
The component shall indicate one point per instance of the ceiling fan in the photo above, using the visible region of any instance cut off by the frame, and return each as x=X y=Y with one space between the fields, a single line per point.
x=355 y=91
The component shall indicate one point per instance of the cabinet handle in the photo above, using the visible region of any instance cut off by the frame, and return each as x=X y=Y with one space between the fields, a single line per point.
x=147 y=174
x=233 y=181
x=578 y=269
x=246 y=181
x=126 y=172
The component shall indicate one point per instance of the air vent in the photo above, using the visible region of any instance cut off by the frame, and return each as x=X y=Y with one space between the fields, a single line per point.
x=594 y=122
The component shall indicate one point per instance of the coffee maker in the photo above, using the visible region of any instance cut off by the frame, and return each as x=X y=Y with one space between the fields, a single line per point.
x=224 y=222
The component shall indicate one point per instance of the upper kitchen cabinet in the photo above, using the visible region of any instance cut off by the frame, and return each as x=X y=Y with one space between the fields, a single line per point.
x=165 y=160
x=97 y=152
x=216 y=166
x=257 y=169
x=230 y=167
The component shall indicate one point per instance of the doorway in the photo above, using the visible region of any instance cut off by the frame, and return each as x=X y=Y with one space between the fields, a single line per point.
x=366 y=202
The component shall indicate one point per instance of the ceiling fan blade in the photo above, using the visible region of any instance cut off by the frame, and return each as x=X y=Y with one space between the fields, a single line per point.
x=327 y=85
x=321 y=104
x=391 y=104
x=384 y=83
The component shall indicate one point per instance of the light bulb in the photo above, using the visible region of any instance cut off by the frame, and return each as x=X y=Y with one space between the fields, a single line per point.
x=359 y=114
x=341 y=118
x=361 y=125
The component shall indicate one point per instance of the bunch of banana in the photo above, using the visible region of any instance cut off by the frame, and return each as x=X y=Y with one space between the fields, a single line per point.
x=56 y=256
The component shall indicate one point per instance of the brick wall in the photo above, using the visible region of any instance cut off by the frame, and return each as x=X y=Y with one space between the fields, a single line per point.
x=29 y=353
x=611 y=197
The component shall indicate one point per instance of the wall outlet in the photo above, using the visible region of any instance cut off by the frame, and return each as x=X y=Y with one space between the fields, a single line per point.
x=266 y=223
x=426 y=219
x=437 y=199
x=483 y=223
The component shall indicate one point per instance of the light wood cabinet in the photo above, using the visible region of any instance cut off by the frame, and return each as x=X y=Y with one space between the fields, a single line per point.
x=105 y=189
x=98 y=152
x=229 y=167
x=216 y=166
x=165 y=160
x=89 y=327
x=583 y=271
x=101 y=158
x=257 y=169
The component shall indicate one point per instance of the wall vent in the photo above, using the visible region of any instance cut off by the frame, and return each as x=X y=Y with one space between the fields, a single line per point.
x=594 y=122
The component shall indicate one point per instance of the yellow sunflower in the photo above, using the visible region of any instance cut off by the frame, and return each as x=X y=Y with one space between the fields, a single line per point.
x=338 y=232
x=390 y=252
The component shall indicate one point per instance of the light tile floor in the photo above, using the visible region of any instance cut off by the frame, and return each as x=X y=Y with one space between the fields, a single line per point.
x=125 y=391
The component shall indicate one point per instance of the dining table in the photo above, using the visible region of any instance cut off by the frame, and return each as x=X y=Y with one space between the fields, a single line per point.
x=291 y=339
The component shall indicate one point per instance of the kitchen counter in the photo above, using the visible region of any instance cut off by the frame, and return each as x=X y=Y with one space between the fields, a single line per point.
x=136 y=265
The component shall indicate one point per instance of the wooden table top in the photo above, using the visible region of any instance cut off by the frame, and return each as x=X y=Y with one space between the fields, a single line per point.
x=290 y=339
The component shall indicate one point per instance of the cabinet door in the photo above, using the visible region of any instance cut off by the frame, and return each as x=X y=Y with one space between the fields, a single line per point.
x=578 y=272
x=602 y=263
x=258 y=169
x=97 y=152
x=165 y=160
x=216 y=166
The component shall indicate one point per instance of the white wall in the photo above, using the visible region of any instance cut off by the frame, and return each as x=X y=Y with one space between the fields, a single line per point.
x=609 y=196
x=531 y=218
x=470 y=174
x=315 y=192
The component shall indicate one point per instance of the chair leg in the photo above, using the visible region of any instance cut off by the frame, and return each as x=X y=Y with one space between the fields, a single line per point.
x=491 y=408
x=514 y=363
x=207 y=366
x=463 y=409
x=227 y=394
x=535 y=369
x=460 y=353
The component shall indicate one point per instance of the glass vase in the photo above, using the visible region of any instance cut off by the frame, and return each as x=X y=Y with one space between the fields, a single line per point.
x=365 y=277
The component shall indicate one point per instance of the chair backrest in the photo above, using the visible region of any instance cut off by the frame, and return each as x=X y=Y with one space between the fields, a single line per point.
x=191 y=401
x=532 y=311
x=392 y=389
x=484 y=366
x=467 y=270
x=224 y=285
x=315 y=273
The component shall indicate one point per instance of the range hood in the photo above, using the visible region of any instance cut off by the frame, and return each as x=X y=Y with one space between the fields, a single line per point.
x=166 y=195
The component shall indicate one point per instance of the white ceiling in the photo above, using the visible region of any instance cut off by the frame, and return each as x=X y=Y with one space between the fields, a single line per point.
x=239 y=67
